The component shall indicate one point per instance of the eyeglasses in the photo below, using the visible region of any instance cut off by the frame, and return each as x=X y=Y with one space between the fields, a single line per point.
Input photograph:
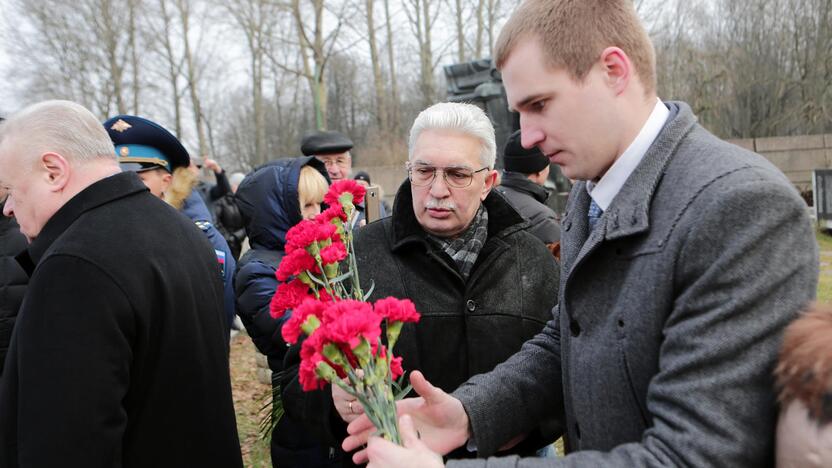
x=456 y=177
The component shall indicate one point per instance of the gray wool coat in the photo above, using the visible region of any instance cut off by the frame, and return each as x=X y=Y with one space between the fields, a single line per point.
x=670 y=315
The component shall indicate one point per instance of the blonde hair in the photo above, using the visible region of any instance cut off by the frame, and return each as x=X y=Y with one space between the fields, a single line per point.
x=181 y=185
x=573 y=33
x=312 y=186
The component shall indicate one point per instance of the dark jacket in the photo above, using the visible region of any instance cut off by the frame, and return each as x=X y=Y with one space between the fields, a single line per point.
x=119 y=356
x=467 y=326
x=195 y=209
x=212 y=193
x=230 y=223
x=529 y=199
x=268 y=201
x=12 y=280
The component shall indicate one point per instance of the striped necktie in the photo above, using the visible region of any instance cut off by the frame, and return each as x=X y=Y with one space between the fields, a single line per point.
x=593 y=214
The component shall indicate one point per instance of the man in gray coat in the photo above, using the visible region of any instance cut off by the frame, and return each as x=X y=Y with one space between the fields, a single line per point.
x=683 y=259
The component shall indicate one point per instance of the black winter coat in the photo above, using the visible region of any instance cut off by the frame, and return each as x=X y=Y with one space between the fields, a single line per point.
x=268 y=202
x=529 y=198
x=230 y=223
x=119 y=356
x=12 y=280
x=467 y=326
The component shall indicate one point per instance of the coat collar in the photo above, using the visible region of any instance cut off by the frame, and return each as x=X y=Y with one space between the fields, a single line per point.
x=100 y=193
x=502 y=218
x=629 y=212
x=521 y=183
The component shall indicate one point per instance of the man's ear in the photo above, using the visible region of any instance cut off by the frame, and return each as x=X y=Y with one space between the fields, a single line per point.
x=490 y=179
x=56 y=170
x=167 y=178
x=617 y=69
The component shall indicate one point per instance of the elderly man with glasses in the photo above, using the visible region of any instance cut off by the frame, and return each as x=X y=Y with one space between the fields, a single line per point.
x=462 y=254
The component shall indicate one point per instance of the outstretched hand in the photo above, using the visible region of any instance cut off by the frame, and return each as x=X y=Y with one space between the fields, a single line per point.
x=438 y=417
x=414 y=452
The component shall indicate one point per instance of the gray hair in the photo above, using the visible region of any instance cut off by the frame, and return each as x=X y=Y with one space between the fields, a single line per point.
x=63 y=127
x=465 y=118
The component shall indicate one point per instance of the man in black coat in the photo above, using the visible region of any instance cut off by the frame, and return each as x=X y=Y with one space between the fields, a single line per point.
x=12 y=278
x=461 y=253
x=119 y=356
x=525 y=172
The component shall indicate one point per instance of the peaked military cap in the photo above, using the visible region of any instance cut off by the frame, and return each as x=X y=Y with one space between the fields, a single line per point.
x=522 y=160
x=141 y=144
x=319 y=143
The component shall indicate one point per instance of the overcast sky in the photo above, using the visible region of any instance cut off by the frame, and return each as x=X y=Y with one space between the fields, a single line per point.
x=7 y=101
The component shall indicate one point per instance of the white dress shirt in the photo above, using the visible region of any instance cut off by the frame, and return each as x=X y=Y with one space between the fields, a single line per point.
x=610 y=184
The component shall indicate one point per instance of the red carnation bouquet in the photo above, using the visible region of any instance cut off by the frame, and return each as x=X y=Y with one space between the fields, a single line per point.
x=319 y=284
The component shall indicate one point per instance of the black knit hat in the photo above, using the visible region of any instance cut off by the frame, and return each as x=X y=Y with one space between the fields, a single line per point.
x=518 y=159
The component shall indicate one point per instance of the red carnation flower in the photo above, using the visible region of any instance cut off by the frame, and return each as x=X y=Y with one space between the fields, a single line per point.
x=288 y=296
x=333 y=253
x=333 y=212
x=301 y=235
x=397 y=310
x=291 y=329
x=310 y=356
x=396 y=369
x=348 y=321
x=338 y=188
x=296 y=263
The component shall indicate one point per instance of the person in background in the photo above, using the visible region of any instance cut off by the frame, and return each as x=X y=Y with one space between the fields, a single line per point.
x=459 y=251
x=162 y=163
x=333 y=149
x=525 y=173
x=229 y=221
x=12 y=278
x=363 y=178
x=209 y=193
x=272 y=199
x=119 y=357
x=804 y=384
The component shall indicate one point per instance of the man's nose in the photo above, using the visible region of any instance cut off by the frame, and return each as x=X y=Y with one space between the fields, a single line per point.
x=8 y=208
x=530 y=133
x=439 y=187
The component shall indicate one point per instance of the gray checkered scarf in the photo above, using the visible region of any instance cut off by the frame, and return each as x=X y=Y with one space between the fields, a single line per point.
x=465 y=248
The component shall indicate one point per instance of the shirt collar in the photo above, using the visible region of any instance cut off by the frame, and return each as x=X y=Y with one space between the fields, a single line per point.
x=610 y=184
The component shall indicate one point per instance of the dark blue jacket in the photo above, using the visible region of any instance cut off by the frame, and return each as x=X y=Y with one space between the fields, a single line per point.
x=268 y=202
x=195 y=209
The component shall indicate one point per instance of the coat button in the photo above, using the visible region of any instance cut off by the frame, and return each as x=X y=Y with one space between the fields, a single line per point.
x=471 y=305
x=568 y=225
x=574 y=327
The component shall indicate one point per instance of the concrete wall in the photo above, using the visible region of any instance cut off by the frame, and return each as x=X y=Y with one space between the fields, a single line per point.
x=796 y=156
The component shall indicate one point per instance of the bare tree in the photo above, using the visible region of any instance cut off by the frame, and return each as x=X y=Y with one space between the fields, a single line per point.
x=256 y=20
x=422 y=15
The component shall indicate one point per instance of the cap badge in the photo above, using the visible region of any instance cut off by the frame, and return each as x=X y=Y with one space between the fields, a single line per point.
x=120 y=126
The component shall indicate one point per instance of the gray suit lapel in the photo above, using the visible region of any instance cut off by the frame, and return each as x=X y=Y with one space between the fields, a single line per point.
x=628 y=214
